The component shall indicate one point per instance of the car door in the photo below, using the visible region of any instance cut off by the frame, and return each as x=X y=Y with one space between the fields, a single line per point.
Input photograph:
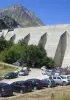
x=11 y=75
x=59 y=80
x=47 y=82
x=55 y=79
x=14 y=75
x=16 y=87
x=44 y=82
x=0 y=90
x=27 y=86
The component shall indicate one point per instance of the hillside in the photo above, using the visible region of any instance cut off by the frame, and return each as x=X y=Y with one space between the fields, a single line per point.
x=16 y=15
x=57 y=93
x=8 y=22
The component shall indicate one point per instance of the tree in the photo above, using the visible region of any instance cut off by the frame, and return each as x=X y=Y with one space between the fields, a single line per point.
x=21 y=42
x=33 y=54
x=4 y=43
x=48 y=62
x=9 y=44
x=11 y=56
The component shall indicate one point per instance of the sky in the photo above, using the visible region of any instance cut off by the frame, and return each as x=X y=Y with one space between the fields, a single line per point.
x=51 y=12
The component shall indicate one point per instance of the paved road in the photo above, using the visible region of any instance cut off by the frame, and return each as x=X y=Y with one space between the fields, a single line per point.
x=34 y=73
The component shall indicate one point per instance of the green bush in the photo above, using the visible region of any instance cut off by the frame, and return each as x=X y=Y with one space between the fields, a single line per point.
x=31 y=55
x=11 y=56
x=48 y=62
x=4 y=44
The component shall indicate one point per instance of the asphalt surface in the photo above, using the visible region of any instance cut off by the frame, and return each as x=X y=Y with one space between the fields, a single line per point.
x=34 y=73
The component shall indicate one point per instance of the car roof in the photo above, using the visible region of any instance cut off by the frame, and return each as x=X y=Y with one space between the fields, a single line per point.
x=64 y=75
x=3 y=84
x=33 y=79
x=22 y=70
x=10 y=72
x=18 y=82
x=46 y=79
x=55 y=76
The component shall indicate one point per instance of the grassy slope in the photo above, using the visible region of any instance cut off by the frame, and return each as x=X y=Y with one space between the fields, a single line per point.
x=58 y=93
x=5 y=68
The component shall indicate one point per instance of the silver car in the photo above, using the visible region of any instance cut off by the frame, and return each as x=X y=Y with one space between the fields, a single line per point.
x=23 y=72
x=61 y=80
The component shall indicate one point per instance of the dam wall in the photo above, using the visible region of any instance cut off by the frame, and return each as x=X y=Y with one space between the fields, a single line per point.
x=54 y=38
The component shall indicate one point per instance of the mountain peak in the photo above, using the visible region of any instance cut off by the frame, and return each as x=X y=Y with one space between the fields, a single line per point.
x=15 y=6
x=21 y=15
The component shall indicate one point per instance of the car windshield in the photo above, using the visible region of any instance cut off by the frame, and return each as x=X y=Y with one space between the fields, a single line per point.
x=46 y=80
x=7 y=87
x=21 y=70
x=63 y=77
x=68 y=77
x=8 y=74
x=35 y=80
x=20 y=83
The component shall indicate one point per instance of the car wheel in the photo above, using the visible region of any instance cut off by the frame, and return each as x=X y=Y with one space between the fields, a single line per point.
x=29 y=89
x=64 y=83
x=49 y=86
x=21 y=91
x=34 y=88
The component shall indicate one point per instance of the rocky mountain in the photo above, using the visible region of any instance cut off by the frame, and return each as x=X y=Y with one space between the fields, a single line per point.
x=16 y=15
x=8 y=22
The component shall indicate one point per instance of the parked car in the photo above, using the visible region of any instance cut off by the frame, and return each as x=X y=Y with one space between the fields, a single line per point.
x=67 y=71
x=11 y=75
x=61 y=80
x=5 y=90
x=53 y=71
x=48 y=82
x=35 y=84
x=57 y=71
x=23 y=72
x=21 y=86
x=48 y=72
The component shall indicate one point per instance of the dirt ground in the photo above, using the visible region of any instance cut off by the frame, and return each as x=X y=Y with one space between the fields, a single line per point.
x=44 y=94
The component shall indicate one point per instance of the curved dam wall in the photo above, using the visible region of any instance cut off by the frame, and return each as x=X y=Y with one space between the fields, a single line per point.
x=55 y=39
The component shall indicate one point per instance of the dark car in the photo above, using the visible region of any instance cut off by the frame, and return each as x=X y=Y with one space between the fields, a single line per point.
x=21 y=86
x=5 y=90
x=48 y=83
x=11 y=75
x=35 y=84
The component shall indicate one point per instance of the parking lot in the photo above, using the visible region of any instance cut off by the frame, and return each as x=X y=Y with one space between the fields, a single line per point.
x=44 y=93
x=34 y=73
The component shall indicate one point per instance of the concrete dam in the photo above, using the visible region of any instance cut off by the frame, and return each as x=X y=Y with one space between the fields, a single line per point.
x=54 y=38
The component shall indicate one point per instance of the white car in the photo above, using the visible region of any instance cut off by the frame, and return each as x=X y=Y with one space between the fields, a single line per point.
x=23 y=72
x=46 y=72
x=61 y=80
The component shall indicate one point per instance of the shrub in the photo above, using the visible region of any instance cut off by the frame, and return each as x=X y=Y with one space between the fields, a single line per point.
x=48 y=62
x=31 y=55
